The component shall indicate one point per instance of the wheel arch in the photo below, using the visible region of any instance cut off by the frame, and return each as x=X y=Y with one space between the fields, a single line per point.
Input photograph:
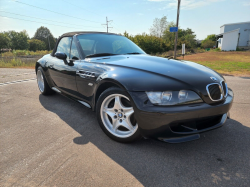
x=104 y=85
x=37 y=65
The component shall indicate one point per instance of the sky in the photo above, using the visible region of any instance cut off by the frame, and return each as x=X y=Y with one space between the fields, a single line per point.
x=204 y=17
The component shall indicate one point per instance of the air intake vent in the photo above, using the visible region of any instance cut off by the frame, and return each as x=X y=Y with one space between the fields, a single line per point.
x=224 y=86
x=214 y=92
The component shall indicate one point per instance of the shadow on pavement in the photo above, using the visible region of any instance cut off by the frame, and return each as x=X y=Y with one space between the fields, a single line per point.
x=219 y=157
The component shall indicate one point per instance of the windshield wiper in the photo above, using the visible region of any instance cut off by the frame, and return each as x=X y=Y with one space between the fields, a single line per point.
x=100 y=54
x=134 y=53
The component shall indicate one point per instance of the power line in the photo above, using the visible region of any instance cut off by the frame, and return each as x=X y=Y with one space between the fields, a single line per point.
x=39 y=22
x=117 y=29
x=46 y=19
x=107 y=24
x=54 y=11
x=90 y=11
x=82 y=8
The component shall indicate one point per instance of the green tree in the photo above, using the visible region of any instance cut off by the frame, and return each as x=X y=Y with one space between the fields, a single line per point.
x=19 y=40
x=185 y=36
x=209 y=41
x=148 y=43
x=211 y=37
x=4 y=40
x=168 y=36
x=159 y=26
x=44 y=34
x=36 y=44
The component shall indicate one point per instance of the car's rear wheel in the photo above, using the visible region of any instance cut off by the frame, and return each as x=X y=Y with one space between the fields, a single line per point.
x=115 y=115
x=42 y=82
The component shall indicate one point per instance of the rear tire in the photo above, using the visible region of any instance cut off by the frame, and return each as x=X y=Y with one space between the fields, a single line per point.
x=42 y=82
x=115 y=116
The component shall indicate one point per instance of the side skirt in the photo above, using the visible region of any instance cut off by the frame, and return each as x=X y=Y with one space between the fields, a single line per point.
x=71 y=98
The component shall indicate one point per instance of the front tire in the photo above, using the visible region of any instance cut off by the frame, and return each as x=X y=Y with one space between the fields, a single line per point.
x=42 y=82
x=115 y=115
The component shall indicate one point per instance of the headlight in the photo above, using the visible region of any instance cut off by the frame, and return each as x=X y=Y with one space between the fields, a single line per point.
x=173 y=97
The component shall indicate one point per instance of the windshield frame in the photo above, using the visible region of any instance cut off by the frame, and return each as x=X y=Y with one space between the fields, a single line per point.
x=84 y=55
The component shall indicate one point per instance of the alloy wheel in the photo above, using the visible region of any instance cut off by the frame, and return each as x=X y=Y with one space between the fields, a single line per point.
x=117 y=115
x=40 y=80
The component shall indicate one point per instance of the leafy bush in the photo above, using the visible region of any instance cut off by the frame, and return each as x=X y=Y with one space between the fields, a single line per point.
x=217 y=50
x=20 y=52
x=4 y=40
x=197 y=50
x=36 y=44
x=148 y=43
x=208 y=44
x=7 y=54
x=185 y=36
x=239 y=49
x=18 y=40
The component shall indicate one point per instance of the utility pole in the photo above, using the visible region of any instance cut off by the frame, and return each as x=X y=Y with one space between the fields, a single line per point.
x=107 y=24
x=49 y=42
x=177 y=23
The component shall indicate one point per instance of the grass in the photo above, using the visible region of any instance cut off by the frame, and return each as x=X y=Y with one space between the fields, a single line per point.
x=231 y=62
x=16 y=53
x=16 y=63
x=20 y=58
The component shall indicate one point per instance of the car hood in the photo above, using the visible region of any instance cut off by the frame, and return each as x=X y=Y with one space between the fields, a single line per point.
x=184 y=71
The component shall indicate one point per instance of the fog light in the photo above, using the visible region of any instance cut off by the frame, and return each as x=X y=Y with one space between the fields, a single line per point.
x=183 y=94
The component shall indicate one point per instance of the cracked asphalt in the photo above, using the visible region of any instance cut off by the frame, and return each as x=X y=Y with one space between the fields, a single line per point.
x=53 y=141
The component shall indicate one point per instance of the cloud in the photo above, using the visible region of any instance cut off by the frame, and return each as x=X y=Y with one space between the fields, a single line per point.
x=189 y=4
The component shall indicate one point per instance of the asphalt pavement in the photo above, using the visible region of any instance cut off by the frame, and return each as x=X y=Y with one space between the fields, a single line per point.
x=53 y=141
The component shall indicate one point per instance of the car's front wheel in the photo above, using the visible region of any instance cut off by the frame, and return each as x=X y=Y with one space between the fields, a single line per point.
x=42 y=82
x=115 y=115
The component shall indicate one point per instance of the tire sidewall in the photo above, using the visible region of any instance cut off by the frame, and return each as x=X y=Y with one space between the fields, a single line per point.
x=109 y=91
x=47 y=90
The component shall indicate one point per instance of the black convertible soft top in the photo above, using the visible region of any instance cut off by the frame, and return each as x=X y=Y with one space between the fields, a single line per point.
x=84 y=32
x=74 y=33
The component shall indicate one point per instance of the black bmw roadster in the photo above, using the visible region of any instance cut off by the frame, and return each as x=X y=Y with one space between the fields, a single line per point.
x=134 y=94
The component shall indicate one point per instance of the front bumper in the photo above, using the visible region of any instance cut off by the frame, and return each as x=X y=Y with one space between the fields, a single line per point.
x=175 y=124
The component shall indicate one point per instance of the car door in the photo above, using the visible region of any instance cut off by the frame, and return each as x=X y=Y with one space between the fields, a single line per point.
x=87 y=72
x=63 y=73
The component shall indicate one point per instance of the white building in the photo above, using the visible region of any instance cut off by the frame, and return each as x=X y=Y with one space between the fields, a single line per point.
x=234 y=35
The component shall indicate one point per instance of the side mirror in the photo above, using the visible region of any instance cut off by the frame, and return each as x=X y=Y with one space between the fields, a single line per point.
x=61 y=56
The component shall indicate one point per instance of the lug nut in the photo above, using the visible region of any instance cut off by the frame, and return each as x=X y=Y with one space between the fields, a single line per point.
x=120 y=120
x=124 y=116
x=116 y=110
x=121 y=110
x=115 y=117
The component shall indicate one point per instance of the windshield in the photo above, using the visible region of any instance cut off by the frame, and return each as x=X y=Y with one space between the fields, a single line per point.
x=107 y=44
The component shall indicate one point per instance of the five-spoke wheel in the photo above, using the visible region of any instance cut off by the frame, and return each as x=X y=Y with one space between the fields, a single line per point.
x=40 y=80
x=117 y=115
